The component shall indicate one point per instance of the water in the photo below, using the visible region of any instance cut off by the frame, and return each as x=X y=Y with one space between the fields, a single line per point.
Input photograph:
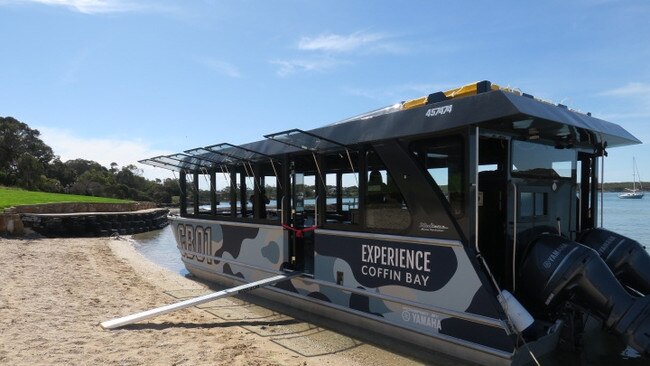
x=627 y=217
x=159 y=246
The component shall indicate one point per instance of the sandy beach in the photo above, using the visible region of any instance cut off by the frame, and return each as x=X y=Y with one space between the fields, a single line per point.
x=55 y=292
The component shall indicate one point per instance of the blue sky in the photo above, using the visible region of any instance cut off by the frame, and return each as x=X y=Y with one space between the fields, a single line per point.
x=126 y=80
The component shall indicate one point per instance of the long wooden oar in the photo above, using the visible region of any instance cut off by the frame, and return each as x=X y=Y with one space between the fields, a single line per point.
x=133 y=318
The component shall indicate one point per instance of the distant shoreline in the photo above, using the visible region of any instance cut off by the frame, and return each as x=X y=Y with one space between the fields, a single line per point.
x=622 y=186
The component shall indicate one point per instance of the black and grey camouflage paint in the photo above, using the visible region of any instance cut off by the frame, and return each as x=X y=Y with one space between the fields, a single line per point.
x=420 y=284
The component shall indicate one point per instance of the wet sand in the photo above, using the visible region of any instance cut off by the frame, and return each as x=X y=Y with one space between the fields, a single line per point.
x=55 y=292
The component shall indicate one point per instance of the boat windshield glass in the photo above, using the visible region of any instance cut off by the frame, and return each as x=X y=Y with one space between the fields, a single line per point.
x=542 y=161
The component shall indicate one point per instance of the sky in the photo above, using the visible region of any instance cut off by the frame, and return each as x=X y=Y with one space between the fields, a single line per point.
x=124 y=80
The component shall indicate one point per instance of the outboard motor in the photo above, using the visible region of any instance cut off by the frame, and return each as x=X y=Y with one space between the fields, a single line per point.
x=628 y=260
x=556 y=270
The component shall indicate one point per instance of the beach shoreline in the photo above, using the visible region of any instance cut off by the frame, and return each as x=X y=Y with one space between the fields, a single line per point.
x=55 y=292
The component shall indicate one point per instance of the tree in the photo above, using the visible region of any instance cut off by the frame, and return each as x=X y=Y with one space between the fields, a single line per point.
x=165 y=192
x=93 y=182
x=80 y=166
x=61 y=172
x=29 y=171
x=131 y=176
x=16 y=140
x=50 y=185
x=26 y=161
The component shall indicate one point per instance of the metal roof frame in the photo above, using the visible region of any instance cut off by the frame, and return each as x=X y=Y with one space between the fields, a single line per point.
x=183 y=165
x=237 y=152
x=193 y=160
x=158 y=164
x=298 y=132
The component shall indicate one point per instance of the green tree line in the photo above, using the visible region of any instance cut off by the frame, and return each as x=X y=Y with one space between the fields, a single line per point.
x=27 y=162
x=618 y=187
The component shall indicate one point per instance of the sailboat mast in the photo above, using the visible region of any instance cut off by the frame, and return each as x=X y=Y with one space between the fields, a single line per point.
x=636 y=170
x=633 y=174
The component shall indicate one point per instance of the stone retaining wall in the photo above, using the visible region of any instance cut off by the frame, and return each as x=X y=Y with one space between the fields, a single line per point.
x=73 y=207
x=11 y=220
x=11 y=224
x=86 y=224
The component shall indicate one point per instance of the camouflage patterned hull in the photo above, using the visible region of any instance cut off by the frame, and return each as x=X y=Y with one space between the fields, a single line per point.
x=422 y=291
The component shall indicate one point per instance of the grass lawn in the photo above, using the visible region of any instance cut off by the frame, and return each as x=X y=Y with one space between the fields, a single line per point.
x=14 y=197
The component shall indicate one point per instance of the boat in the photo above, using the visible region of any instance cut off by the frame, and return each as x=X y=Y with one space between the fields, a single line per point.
x=464 y=222
x=633 y=193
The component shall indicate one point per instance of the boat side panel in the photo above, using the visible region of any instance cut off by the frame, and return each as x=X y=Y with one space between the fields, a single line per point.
x=263 y=246
x=437 y=276
x=431 y=297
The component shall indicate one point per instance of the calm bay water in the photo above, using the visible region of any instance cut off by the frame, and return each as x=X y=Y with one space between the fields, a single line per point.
x=159 y=246
x=627 y=217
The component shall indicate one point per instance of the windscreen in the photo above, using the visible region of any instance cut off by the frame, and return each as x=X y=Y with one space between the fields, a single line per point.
x=542 y=161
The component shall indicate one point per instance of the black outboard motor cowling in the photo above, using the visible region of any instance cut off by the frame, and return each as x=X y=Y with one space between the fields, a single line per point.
x=557 y=270
x=628 y=260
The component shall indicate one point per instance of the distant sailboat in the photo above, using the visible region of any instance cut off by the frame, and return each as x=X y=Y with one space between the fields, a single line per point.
x=634 y=193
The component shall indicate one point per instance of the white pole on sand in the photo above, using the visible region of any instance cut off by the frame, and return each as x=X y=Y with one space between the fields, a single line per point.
x=133 y=318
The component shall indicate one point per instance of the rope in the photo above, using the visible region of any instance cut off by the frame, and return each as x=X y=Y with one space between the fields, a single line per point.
x=255 y=183
x=276 y=174
x=504 y=304
x=356 y=176
x=189 y=180
x=320 y=174
x=225 y=176
x=178 y=183
x=229 y=180
x=300 y=233
x=207 y=182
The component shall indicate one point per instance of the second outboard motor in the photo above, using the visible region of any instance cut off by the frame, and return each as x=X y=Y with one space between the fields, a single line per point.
x=556 y=270
x=628 y=259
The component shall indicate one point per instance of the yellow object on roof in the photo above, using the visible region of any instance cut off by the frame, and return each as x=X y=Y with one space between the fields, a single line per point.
x=463 y=91
x=466 y=90
x=415 y=102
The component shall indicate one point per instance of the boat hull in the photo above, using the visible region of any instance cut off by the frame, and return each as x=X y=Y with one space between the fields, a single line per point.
x=450 y=312
x=631 y=196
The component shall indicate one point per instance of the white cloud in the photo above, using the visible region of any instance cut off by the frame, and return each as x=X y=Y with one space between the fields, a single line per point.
x=288 y=67
x=221 y=67
x=326 y=45
x=637 y=101
x=632 y=89
x=104 y=151
x=87 y=6
x=347 y=43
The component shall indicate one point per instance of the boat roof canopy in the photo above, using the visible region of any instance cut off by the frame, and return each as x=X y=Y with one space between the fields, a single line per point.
x=305 y=141
x=482 y=104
